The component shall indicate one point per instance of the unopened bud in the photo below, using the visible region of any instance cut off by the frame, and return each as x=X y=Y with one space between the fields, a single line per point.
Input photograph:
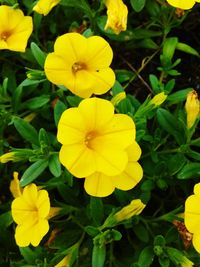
x=192 y=108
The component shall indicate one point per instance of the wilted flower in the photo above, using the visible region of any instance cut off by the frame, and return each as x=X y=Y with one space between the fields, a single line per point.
x=192 y=216
x=81 y=64
x=101 y=185
x=45 y=6
x=183 y=4
x=94 y=138
x=192 y=108
x=117 y=13
x=30 y=211
x=15 y=29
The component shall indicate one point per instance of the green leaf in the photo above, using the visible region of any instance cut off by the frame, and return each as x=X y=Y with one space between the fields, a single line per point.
x=33 y=171
x=96 y=210
x=98 y=255
x=26 y=130
x=164 y=261
x=146 y=257
x=37 y=102
x=138 y=5
x=59 y=108
x=39 y=55
x=54 y=165
x=141 y=232
x=187 y=49
x=178 y=96
x=175 y=163
x=5 y=220
x=28 y=254
x=169 y=49
x=189 y=170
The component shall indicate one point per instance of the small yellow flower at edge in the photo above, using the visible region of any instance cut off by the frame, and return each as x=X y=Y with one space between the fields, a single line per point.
x=15 y=29
x=81 y=64
x=45 y=6
x=183 y=4
x=192 y=108
x=117 y=13
x=192 y=216
x=30 y=212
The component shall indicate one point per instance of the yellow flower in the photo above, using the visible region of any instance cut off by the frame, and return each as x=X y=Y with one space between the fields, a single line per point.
x=30 y=211
x=192 y=216
x=158 y=99
x=15 y=29
x=45 y=6
x=192 y=108
x=101 y=185
x=15 y=187
x=64 y=262
x=117 y=13
x=183 y=4
x=81 y=64
x=134 y=208
x=94 y=138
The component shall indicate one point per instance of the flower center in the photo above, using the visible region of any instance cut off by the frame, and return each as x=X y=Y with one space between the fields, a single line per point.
x=5 y=35
x=78 y=66
x=89 y=138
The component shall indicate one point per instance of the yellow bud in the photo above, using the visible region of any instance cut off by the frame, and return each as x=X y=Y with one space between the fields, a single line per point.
x=158 y=99
x=186 y=262
x=15 y=187
x=30 y=117
x=10 y=156
x=64 y=262
x=192 y=108
x=134 y=208
x=117 y=98
x=117 y=13
x=53 y=212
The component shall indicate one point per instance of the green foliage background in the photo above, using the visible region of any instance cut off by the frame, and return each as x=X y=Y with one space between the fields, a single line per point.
x=159 y=52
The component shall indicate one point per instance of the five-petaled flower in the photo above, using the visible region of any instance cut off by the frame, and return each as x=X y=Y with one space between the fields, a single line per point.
x=81 y=64
x=183 y=4
x=15 y=29
x=99 y=145
x=45 y=6
x=30 y=211
x=117 y=13
x=192 y=216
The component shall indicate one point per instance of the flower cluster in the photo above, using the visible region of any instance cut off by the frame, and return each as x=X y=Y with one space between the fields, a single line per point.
x=99 y=146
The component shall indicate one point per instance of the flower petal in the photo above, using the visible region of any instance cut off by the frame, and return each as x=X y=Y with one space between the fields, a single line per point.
x=99 y=53
x=192 y=213
x=30 y=194
x=98 y=185
x=71 y=46
x=196 y=241
x=38 y=232
x=23 y=235
x=43 y=204
x=181 y=4
x=71 y=127
x=78 y=159
x=21 y=211
x=134 y=152
x=129 y=178
x=91 y=110
x=120 y=133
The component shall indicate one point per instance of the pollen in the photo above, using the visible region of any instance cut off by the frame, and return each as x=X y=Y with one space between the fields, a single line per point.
x=78 y=66
x=89 y=138
x=5 y=35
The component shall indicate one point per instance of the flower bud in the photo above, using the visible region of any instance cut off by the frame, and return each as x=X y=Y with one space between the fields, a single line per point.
x=192 y=108
x=118 y=98
x=158 y=99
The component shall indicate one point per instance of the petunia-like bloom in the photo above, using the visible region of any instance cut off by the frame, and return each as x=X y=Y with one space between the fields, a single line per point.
x=192 y=108
x=94 y=139
x=30 y=212
x=117 y=13
x=15 y=29
x=101 y=185
x=192 y=216
x=183 y=4
x=45 y=6
x=81 y=64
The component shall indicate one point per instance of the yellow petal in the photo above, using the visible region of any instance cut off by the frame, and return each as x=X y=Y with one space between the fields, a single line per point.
x=43 y=204
x=129 y=178
x=99 y=53
x=192 y=213
x=23 y=235
x=120 y=133
x=71 y=46
x=91 y=110
x=197 y=189
x=38 y=232
x=196 y=241
x=15 y=188
x=71 y=127
x=78 y=159
x=134 y=152
x=98 y=185
x=45 y=6
x=182 y=4
x=30 y=194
